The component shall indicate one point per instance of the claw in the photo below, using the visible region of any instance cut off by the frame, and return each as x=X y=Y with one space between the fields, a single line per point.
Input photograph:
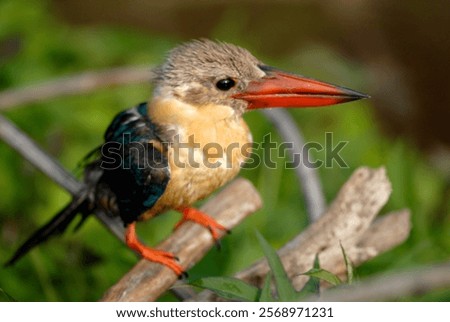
x=153 y=255
x=192 y=214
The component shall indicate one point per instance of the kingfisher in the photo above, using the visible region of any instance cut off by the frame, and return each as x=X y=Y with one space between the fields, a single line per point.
x=185 y=142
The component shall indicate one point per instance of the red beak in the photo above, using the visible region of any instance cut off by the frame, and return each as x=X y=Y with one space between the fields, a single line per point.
x=281 y=89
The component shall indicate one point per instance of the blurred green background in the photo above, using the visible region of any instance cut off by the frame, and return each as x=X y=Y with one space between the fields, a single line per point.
x=396 y=52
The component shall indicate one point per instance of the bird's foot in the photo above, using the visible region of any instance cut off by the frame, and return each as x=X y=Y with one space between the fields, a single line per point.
x=192 y=214
x=167 y=259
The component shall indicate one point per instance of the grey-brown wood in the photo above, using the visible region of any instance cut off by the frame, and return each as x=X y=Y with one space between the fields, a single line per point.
x=345 y=221
x=348 y=221
x=73 y=85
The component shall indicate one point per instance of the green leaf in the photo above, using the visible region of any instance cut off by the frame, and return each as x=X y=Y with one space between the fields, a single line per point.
x=228 y=287
x=324 y=275
x=285 y=290
x=348 y=266
x=5 y=297
x=313 y=285
x=266 y=293
x=316 y=262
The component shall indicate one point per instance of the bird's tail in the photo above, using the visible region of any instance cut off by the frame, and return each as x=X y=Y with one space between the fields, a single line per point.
x=56 y=226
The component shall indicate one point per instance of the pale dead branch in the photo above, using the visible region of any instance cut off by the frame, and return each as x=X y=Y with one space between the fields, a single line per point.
x=73 y=85
x=348 y=221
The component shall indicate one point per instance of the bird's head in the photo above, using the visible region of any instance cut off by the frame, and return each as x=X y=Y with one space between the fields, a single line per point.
x=203 y=72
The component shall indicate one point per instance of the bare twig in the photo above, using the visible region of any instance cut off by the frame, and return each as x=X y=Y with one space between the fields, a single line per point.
x=147 y=281
x=26 y=147
x=387 y=231
x=307 y=177
x=392 y=286
x=72 y=85
x=383 y=234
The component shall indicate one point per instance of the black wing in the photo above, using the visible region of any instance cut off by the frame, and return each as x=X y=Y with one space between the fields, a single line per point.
x=135 y=167
x=131 y=173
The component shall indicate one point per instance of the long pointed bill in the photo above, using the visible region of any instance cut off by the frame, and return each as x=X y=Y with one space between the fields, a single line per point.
x=281 y=89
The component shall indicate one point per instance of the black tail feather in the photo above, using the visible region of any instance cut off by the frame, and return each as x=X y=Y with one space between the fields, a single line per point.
x=56 y=226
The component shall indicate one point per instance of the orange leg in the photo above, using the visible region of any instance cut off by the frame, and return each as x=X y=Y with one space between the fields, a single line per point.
x=153 y=255
x=203 y=219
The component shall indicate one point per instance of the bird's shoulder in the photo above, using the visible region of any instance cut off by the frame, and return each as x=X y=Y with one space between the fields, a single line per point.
x=131 y=125
x=134 y=132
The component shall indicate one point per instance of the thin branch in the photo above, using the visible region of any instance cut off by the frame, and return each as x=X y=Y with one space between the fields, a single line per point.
x=28 y=149
x=393 y=286
x=72 y=85
x=308 y=178
x=147 y=281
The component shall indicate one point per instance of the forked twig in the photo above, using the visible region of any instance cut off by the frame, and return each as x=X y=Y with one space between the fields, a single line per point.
x=348 y=221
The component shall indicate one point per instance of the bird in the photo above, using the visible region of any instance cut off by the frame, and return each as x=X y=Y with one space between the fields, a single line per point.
x=155 y=156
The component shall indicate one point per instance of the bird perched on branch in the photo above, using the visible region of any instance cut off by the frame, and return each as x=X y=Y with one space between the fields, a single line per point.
x=188 y=140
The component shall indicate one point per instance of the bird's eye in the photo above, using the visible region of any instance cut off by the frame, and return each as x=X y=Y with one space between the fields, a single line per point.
x=225 y=84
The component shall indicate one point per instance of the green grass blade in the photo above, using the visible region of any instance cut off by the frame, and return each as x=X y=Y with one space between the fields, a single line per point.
x=228 y=287
x=324 y=275
x=348 y=266
x=312 y=287
x=5 y=297
x=266 y=292
x=286 y=291
x=316 y=262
